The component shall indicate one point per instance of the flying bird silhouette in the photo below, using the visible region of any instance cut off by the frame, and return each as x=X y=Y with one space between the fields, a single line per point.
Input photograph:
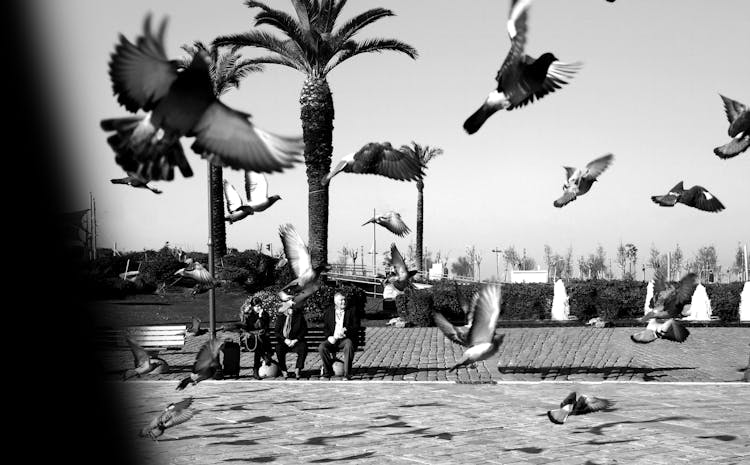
x=457 y=334
x=237 y=207
x=392 y=222
x=173 y=415
x=402 y=277
x=144 y=363
x=579 y=180
x=381 y=159
x=206 y=363
x=580 y=405
x=696 y=197
x=480 y=340
x=308 y=278
x=256 y=189
x=738 y=115
x=180 y=101
x=521 y=78
x=667 y=304
x=135 y=180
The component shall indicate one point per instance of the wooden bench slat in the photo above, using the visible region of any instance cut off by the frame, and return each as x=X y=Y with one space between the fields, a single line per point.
x=148 y=337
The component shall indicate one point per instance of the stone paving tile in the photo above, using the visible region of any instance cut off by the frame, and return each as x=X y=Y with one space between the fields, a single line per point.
x=435 y=423
x=527 y=354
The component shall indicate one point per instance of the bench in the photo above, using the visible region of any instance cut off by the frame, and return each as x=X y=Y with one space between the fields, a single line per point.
x=148 y=337
x=314 y=337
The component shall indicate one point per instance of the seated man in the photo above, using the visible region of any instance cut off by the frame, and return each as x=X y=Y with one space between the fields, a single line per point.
x=256 y=323
x=340 y=330
x=291 y=329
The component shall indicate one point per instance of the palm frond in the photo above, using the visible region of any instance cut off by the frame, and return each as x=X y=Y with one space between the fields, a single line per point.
x=352 y=48
x=355 y=24
x=289 y=53
x=281 y=21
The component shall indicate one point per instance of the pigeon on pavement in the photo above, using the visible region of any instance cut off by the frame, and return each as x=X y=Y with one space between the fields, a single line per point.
x=575 y=404
x=173 y=415
x=667 y=304
x=144 y=363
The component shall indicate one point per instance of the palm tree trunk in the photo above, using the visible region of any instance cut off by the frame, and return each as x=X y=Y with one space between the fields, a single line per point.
x=317 y=130
x=420 y=220
x=218 y=227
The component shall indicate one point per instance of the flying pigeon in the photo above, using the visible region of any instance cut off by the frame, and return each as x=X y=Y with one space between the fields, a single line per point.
x=581 y=405
x=144 y=363
x=738 y=115
x=237 y=207
x=256 y=189
x=308 y=279
x=171 y=416
x=392 y=222
x=180 y=101
x=195 y=327
x=668 y=303
x=696 y=197
x=135 y=180
x=579 y=180
x=197 y=272
x=481 y=342
x=521 y=78
x=382 y=159
x=206 y=364
x=402 y=277
x=457 y=334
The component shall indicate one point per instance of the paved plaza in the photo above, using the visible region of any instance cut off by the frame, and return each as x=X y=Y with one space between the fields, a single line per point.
x=675 y=403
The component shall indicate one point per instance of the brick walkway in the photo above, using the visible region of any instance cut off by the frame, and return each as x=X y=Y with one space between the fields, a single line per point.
x=439 y=423
x=527 y=354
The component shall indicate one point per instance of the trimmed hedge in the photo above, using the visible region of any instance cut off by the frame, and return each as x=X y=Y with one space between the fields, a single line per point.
x=608 y=300
x=725 y=300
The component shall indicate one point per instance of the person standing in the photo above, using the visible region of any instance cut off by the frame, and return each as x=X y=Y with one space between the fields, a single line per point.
x=340 y=325
x=291 y=328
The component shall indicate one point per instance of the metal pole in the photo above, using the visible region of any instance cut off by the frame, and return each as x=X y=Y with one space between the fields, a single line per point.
x=747 y=278
x=497 y=262
x=669 y=266
x=374 y=255
x=211 y=294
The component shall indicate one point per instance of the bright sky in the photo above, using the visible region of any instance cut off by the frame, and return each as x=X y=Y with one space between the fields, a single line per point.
x=648 y=93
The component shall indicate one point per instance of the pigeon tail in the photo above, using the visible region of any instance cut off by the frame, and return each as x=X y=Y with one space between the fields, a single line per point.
x=558 y=416
x=477 y=119
x=733 y=148
x=183 y=384
x=664 y=200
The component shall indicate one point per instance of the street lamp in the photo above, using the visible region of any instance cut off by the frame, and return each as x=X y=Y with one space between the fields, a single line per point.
x=644 y=272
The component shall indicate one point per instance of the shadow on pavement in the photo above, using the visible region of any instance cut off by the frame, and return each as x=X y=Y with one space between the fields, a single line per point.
x=613 y=371
x=599 y=428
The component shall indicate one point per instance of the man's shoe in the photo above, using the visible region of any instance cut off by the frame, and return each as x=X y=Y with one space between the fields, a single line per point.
x=325 y=376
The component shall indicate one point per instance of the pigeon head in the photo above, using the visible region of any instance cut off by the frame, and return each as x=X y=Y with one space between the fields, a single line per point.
x=546 y=58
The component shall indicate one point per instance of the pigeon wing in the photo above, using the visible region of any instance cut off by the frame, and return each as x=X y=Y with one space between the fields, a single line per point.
x=396 y=225
x=486 y=308
x=732 y=108
x=207 y=357
x=453 y=333
x=700 y=198
x=509 y=71
x=140 y=356
x=232 y=197
x=175 y=417
x=588 y=404
x=256 y=187
x=569 y=172
x=598 y=166
x=398 y=261
x=141 y=74
x=384 y=160
x=226 y=137
x=682 y=295
x=297 y=253
x=558 y=75
x=643 y=337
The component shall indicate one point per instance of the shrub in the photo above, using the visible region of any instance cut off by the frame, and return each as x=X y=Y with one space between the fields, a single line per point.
x=269 y=302
x=316 y=305
x=521 y=301
x=725 y=300
x=415 y=306
x=233 y=274
x=260 y=268
x=160 y=267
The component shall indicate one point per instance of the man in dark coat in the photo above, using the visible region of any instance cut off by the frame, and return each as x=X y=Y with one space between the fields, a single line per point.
x=340 y=325
x=291 y=329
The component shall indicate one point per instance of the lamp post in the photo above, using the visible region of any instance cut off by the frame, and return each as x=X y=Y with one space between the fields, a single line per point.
x=211 y=294
x=644 y=272
x=497 y=252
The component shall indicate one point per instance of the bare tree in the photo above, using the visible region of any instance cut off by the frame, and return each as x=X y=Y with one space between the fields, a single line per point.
x=676 y=263
x=471 y=254
x=622 y=259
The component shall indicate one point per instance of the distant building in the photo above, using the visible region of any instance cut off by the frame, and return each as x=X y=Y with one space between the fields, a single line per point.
x=529 y=276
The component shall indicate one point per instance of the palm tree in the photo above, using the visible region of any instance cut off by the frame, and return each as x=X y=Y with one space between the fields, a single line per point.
x=226 y=70
x=424 y=155
x=311 y=46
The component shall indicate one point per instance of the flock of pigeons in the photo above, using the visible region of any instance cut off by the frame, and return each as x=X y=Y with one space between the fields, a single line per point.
x=179 y=101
